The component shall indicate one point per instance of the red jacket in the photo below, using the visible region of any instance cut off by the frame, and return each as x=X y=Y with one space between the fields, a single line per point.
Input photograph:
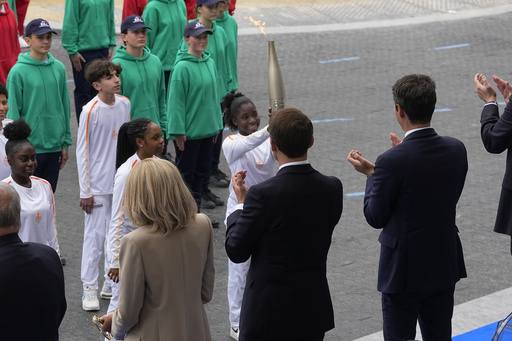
x=10 y=44
x=131 y=7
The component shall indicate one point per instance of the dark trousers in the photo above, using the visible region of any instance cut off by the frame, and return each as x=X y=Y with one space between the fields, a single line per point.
x=84 y=91
x=432 y=309
x=194 y=163
x=215 y=160
x=243 y=337
x=48 y=167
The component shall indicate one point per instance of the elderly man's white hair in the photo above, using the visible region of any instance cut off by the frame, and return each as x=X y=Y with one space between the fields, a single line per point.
x=10 y=208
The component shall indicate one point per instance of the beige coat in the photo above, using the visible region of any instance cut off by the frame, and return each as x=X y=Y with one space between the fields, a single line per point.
x=165 y=280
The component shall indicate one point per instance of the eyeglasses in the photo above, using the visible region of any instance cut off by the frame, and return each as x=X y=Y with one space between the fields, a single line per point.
x=98 y=324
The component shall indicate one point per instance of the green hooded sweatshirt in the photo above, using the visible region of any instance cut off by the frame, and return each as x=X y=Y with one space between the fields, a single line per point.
x=193 y=105
x=143 y=82
x=88 y=25
x=228 y=23
x=38 y=93
x=217 y=48
x=167 y=19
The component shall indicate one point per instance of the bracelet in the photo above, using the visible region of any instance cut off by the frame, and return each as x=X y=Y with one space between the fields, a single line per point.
x=369 y=175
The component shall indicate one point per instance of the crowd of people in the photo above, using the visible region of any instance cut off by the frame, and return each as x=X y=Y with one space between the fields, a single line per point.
x=174 y=82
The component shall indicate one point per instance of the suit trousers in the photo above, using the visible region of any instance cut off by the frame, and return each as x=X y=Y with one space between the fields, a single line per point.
x=433 y=310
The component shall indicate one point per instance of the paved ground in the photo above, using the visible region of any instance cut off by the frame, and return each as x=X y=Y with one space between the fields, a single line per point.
x=339 y=60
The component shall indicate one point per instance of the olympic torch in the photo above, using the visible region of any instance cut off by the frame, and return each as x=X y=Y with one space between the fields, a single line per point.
x=276 y=92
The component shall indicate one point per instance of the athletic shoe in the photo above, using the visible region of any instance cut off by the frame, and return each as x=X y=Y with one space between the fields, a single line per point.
x=233 y=332
x=208 y=195
x=90 y=300
x=219 y=179
x=106 y=291
x=205 y=203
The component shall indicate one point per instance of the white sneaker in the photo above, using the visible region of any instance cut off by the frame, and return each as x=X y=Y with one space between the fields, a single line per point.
x=90 y=300
x=106 y=291
x=23 y=43
x=234 y=333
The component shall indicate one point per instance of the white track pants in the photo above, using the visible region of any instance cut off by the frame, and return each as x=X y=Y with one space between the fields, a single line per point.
x=237 y=276
x=95 y=229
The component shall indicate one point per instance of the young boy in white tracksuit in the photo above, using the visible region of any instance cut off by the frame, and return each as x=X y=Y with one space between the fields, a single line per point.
x=99 y=125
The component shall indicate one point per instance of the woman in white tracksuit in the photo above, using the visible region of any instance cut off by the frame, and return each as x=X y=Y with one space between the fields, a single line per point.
x=138 y=140
x=248 y=149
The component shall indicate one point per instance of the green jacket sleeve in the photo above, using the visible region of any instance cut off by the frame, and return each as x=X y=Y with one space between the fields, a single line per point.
x=161 y=102
x=15 y=100
x=70 y=26
x=67 y=109
x=112 y=43
x=176 y=110
x=150 y=17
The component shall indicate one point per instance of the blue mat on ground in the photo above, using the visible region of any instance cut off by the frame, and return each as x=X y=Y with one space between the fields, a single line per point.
x=484 y=333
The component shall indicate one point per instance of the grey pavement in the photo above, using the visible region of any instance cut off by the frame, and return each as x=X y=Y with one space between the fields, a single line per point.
x=341 y=77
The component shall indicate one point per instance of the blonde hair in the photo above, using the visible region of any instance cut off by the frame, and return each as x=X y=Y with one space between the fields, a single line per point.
x=156 y=197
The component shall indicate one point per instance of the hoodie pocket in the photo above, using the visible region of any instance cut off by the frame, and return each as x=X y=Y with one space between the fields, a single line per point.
x=48 y=132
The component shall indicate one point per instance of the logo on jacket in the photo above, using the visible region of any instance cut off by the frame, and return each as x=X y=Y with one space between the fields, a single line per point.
x=114 y=134
x=38 y=216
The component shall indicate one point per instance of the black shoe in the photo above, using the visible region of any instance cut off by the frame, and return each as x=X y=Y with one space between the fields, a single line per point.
x=62 y=260
x=205 y=203
x=219 y=179
x=209 y=196
x=215 y=224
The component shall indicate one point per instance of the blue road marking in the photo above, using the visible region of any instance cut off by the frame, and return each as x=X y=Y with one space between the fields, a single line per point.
x=451 y=47
x=338 y=60
x=333 y=119
x=443 y=110
x=356 y=194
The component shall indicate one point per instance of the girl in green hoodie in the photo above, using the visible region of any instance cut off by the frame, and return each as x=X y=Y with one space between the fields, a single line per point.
x=194 y=115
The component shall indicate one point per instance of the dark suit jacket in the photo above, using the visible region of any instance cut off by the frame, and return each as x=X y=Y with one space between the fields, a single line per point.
x=286 y=225
x=496 y=134
x=412 y=197
x=32 y=296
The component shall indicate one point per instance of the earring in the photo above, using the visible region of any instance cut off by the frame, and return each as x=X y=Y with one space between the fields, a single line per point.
x=141 y=146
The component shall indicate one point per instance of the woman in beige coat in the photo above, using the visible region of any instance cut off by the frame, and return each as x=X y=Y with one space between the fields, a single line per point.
x=166 y=265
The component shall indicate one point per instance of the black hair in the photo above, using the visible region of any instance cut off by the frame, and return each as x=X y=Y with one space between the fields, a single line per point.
x=127 y=138
x=17 y=133
x=3 y=91
x=291 y=131
x=100 y=68
x=416 y=94
x=231 y=104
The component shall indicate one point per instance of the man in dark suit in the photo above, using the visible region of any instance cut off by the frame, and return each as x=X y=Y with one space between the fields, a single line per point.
x=32 y=296
x=497 y=137
x=286 y=224
x=411 y=194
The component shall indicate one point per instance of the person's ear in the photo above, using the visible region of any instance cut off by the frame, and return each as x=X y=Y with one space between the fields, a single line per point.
x=139 y=142
x=312 y=141
x=9 y=161
x=27 y=40
x=400 y=110
x=273 y=146
x=96 y=86
x=123 y=36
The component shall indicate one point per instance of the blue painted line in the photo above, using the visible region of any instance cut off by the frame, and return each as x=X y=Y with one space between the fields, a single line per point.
x=479 y=334
x=356 y=194
x=451 y=47
x=338 y=60
x=333 y=120
x=443 y=110
x=502 y=103
x=70 y=80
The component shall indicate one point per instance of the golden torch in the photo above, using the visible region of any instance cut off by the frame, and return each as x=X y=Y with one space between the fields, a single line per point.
x=276 y=92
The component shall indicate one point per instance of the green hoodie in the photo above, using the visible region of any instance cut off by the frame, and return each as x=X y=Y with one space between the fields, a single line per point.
x=228 y=23
x=38 y=93
x=167 y=19
x=88 y=25
x=143 y=82
x=217 y=48
x=193 y=108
